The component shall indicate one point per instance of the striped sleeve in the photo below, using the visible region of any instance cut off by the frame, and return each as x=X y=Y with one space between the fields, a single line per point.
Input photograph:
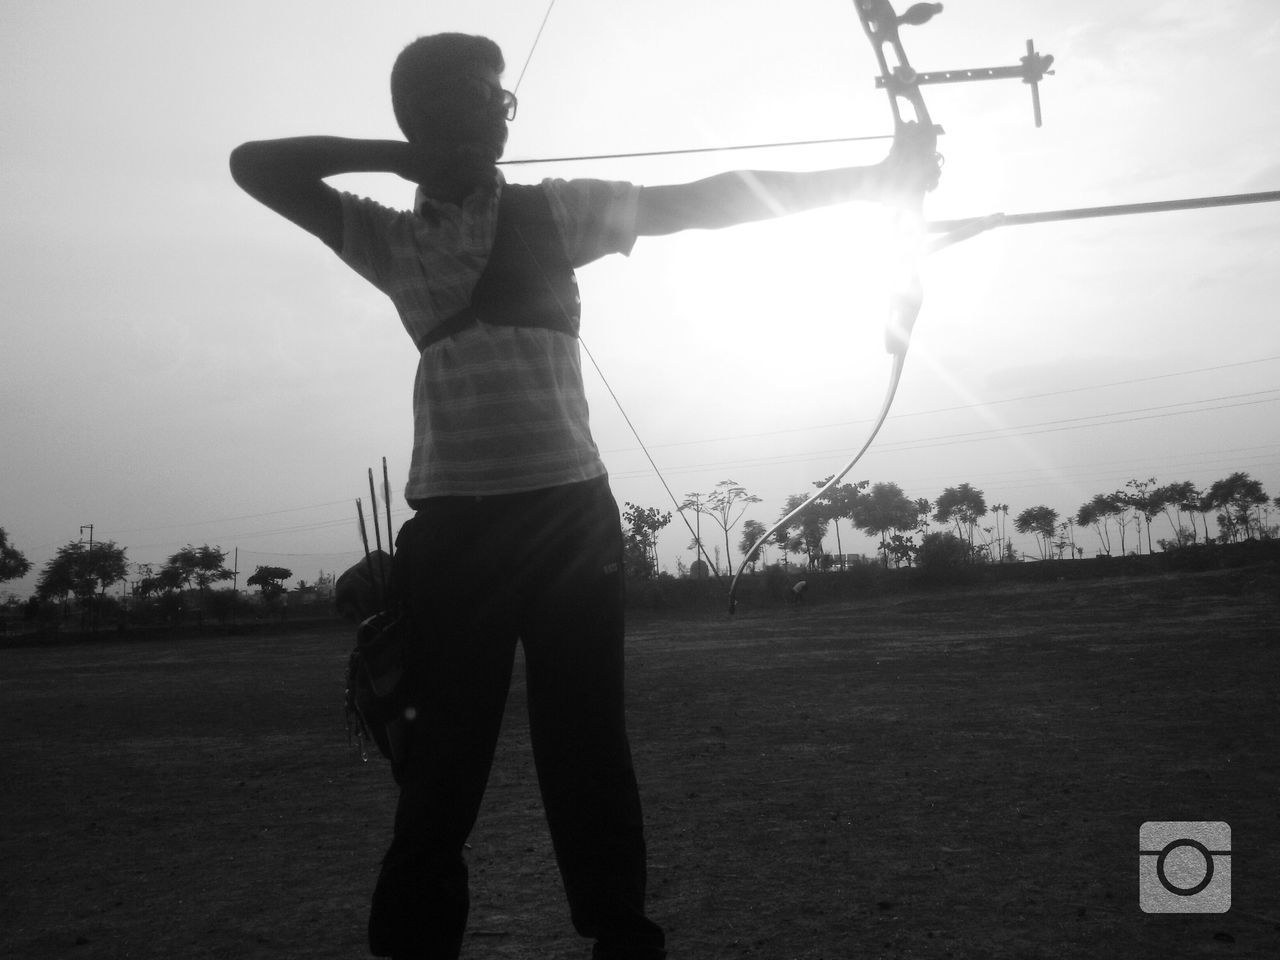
x=596 y=217
x=367 y=229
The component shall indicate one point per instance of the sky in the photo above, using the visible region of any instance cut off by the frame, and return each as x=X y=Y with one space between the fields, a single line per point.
x=179 y=365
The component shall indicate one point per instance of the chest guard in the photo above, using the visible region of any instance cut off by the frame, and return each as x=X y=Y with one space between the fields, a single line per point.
x=528 y=281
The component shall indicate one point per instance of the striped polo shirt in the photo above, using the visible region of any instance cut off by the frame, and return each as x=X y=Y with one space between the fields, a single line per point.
x=497 y=409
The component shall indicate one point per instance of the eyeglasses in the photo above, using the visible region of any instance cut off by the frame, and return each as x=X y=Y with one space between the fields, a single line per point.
x=481 y=92
x=508 y=101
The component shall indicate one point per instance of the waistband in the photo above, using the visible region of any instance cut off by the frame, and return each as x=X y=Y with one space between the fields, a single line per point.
x=582 y=487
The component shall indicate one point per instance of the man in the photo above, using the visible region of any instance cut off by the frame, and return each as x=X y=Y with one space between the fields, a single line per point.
x=516 y=535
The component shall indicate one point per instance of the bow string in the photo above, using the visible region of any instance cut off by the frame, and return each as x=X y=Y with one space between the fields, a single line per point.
x=914 y=130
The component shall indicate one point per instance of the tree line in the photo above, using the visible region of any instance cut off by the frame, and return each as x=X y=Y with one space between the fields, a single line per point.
x=84 y=572
x=968 y=528
x=971 y=530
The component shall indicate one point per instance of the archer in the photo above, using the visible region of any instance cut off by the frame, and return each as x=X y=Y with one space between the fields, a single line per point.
x=516 y=535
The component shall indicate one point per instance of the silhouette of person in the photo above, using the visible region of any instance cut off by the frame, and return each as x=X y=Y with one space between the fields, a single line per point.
x=516 y=536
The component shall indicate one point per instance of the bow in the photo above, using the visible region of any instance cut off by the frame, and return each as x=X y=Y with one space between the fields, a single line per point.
x=915 y=131
x=900 y=81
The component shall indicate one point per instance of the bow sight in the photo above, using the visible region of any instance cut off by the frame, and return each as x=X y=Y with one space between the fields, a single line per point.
x=1031 y=69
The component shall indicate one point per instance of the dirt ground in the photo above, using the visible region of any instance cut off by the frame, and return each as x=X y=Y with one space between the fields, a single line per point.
x=957 y=775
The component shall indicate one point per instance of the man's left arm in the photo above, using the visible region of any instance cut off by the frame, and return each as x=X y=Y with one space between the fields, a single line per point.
x=742 y=196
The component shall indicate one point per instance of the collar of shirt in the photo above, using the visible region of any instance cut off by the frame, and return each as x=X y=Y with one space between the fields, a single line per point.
x=480 y=203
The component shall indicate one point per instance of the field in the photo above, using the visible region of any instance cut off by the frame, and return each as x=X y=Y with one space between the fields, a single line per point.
x=957 y=774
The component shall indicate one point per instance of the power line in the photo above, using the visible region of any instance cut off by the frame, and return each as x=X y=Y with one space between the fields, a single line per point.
x=1031 y=429
x=247 y=516
x=1100 y=386
x=1078 y=423
x=353 y=552
x=982 y=404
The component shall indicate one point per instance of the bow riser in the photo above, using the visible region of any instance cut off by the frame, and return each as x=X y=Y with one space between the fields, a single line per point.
x=880 y=22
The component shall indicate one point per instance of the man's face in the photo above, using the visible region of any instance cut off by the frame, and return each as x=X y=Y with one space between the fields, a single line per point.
x=465 y=119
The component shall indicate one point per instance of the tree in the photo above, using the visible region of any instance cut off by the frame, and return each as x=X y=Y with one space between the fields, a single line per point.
x=1124 y=502
x=941 y=555
x=725 y=505
x=805 y=533
x=12 y=562
x=752 y=531
x=147 y=583
x=199 y=565
x=1067 y=538
x=1000 y=512
x=700 y=569
x=1182 y=497
x=640 y=539
x=81 y=572
x=902 y=550
x=170 y=579
x=1087 y=516
x=1097 y=513
x=270 y=580
x=1043 y=522
x=1143 y=497
x=885 y=508
x=840 y=503
x=1191 y=500
x=924 y=512
x=963 y=506
x=1237 y=496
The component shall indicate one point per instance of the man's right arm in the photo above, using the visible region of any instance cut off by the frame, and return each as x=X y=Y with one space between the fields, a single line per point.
x=288 y=176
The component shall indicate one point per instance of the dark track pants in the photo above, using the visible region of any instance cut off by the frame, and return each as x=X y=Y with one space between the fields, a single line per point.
x=478 y=574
